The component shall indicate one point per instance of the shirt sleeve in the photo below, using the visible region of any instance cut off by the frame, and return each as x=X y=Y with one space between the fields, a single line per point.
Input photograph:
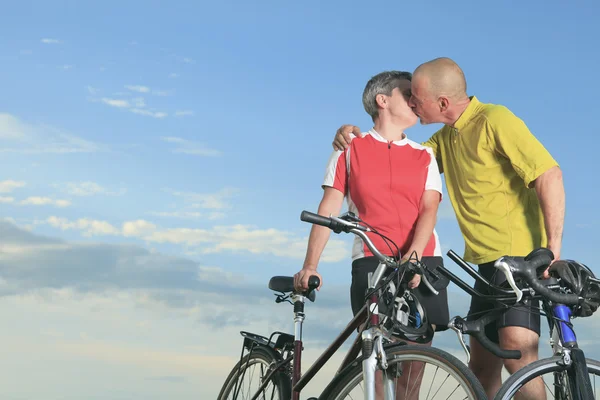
x=434 y=179
x=336 y=173
x=513 y=140
x=434 y=144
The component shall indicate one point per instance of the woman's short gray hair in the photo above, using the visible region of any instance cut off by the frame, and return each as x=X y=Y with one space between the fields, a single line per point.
x=382 y=83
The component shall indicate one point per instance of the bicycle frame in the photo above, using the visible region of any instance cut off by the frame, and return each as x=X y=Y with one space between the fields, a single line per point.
x=560 y=331
x=300 y=381
x=564 y=343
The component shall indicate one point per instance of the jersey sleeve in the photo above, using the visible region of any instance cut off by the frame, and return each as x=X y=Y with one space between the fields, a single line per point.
x=336 y=173
x=513 y=140
x=434 y=179
x=433 y=144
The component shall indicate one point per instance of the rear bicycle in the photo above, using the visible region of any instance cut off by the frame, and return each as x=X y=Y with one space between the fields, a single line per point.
x=572 y=292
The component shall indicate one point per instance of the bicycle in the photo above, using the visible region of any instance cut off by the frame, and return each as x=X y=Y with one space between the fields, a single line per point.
x=568 y=365
x=280 y=354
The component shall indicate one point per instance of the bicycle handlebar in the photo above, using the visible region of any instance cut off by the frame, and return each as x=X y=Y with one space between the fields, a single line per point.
x=340 y=225
x=476 y=328
x=528 y=268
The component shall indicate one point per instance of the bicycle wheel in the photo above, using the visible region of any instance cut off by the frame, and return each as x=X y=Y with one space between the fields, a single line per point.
x=249 y=373
x=556 y=382
x=422 y=372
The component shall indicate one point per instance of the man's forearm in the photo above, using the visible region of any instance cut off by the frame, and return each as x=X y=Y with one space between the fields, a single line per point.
x=551 y=194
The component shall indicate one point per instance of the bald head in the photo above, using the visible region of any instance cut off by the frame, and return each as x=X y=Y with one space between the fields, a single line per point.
x=442 y=77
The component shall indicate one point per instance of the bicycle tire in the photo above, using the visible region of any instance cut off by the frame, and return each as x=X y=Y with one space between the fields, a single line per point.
x=470 y=383
x=536 y=369
x=281 y=381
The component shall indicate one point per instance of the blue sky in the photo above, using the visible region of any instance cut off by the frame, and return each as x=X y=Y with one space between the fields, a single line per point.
x=157 y=156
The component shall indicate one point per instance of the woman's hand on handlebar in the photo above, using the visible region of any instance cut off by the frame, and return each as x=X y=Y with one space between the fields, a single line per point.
x=416 y=279
x=414 y=282
x=301 y=279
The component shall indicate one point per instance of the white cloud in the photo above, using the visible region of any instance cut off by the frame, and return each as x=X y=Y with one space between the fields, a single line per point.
x=247 y=238
x=17 y=136
x=135 y=105
x=188 y=60
x=5 y=199
x=26 y=52
x=162 y=93
x=88 y=226
x=43 y=201
x=178 y=214
x=92 y=90
x=173 y=75
x=65 y=67
x=148 y=113
x=183 y=113
x=138 y=88
x=190 y=147
x=138 y=228
x=206 y=241
x=10 y=185
x=215 y=201
x=138 y=102
x=87 y=188
x=116 y=102
x=51 y=41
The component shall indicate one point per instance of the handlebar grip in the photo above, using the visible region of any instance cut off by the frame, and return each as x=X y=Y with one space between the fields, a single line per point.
x=317 y=219
x=494 y=348
x=313 y=282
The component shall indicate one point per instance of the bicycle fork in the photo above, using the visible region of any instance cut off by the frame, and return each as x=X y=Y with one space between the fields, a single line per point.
x=374 y=358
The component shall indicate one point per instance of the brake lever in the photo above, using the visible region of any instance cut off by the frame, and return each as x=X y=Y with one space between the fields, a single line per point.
x=428 y=284
x=504 y=267
x=456 y=324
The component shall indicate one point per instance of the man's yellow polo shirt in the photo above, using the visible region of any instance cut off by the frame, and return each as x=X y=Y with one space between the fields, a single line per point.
x=490 y=159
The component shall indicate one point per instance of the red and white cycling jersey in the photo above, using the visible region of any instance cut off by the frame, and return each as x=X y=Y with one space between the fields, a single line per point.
x=383 y=182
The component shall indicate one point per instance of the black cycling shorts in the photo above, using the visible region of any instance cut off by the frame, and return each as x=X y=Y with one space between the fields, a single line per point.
x=436 y=306
x=525 y=315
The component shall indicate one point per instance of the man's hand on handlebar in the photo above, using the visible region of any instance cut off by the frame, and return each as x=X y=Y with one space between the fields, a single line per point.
x=556 y=252
x=301 y=279
x=342 y=137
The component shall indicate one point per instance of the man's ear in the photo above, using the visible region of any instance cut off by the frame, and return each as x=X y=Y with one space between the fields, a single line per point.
x=443 y=103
